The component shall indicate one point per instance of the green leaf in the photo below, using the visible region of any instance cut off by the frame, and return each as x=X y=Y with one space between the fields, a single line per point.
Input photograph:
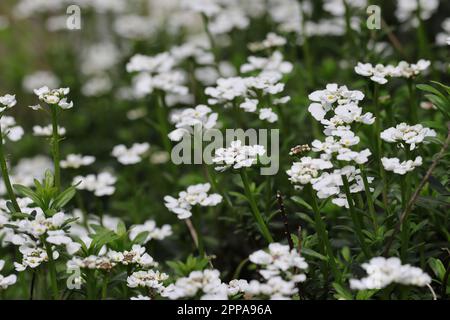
x=301 y=202
x=27 y=192
x=312 y=253
x=440 y=103
x=64 y=197
x=49 y=179
x=121 y=228
x=438 y=268
x=343 y=293
x=141 y=237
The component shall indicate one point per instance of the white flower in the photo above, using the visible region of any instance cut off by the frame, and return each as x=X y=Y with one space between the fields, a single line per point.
x=249 y=105
x=281 y=268
x=394 y=164
x=272 y=40
x=194 y=195
x=7 y=281
x=132 y=155
x=32 y=257
x=7 y=101
x=153 y=231
x=407 y=70
x=186 y=120
x=237 y=156
x=274 y=64
x=101 y=184
x=39 y=79
x=206 y=283
x=47 y=131
x=403 y=133
x=268 y=114
x=406 y=9
x=307 y=169
x=54 y=96
x=381 y=272
x=10 y=129
x=148 y=279
x=324 y=100
x=76 y=161
x=140 y=297
x=377 y=73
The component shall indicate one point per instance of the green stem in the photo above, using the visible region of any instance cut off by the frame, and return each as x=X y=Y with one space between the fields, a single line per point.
x=369 y=198
x=163 y=125
x=105 y=286
x=256 y=214
x=200 y=242
x=52 y=270
x=356 y=221
x=404 y=234
x=378 y=147
x=413 y=108
x=55 y=146
x=321 y=229
x=212 y=43
x=307 y=50
x=5 y=175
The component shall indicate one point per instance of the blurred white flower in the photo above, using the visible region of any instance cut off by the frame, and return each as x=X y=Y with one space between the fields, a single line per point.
x=381 y=272
x=76 y=161
x=47 y=131
x=132 y=155
x=101 y=184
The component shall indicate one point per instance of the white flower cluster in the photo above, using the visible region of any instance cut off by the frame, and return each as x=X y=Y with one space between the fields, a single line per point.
x=156 y=73
x=101 y=184
x=223 y=16
x=91 y=262
x=247 y=92
x=47 y=131
x=272 y=40
x=32 y=257
x=10 y=129
x=76 y=161
x=402 y=168
x=53 y=97
x=206 y=284
x=343 y=104
x=281 y=268
x=443 y=38
x=132 y=155
x=135 y=256
x=406 y=10
x=194 y=195
x=379 y=73
x=381 y=272
x=33 y=229
x=7 y=101
x=337 y=7
x=189 y=119
x=404 y=135
x=148 y=279
x=237 y=156
x=39 y=79
x=7 y=281
x=153 y=231
x=26 y=170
